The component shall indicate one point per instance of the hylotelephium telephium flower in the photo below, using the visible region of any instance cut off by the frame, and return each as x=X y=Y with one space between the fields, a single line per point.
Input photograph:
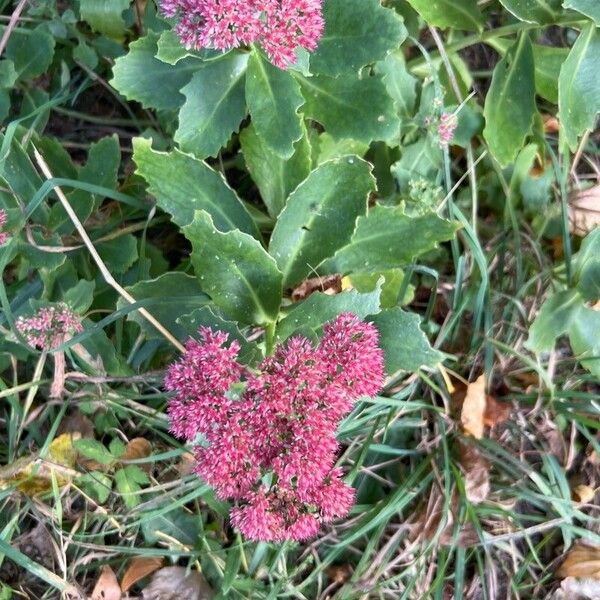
x=49 y=327
x=271 y=445
x=279 y=26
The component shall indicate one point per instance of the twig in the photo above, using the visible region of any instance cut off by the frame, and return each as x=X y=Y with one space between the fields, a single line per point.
x=11 y=25
x=96 y=257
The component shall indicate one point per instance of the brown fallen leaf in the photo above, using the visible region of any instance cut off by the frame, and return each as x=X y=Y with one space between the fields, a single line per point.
x=584 y=210
x=473 y=408
x=107 y=587
x=138 y=448
x=138 y=568
x=551 y=123
x=495 y=412
x=175 y=583
x=582 y=560
x=328 y=284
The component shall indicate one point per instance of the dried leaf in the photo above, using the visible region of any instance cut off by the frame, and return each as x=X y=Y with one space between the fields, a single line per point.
x=186 y=464
x=584 y=210
x=328 y=284
x=175 y=583
x=580 y=589
x=139 y=567
x=339 y=573
x=495 y=412
x=551 y=123
x=473 y=409
x=107 y=587
x=137 y=448
x=583 y=493
x=582 y=560
x=33 y=474
x=77 y=422
x=477 y=472
x=37 y=545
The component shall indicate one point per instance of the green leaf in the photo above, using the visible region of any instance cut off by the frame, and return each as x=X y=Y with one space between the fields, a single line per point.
x=101 y=168
x=178 y=524
x=81 y=296
x=273 y=98
x=552 y=320
x=510 y=102
x=319 y=308
x=421 y=160
x=8 y=74
x=464 y=14
x=400 y=84
x=548 y=62
x=329 y=148
x=96 y=484
x=579 y=86
x=214 y=107
x=94 y=450
x=141 y=77
x=235 y=270
x=127 y=481
x=589 y=8
x=320 y=216
x=170 y=49
x=390 y=290
x=32 y=52
x=404 y=344
x=587 y=270
x=106 y=16
x=584 y=335
x=207 y=317
x=174 y=294
x=183 y=184
x=387 y=239
x=534 y=11
x=357 y=33
x=119 y=254
x=349 y=107
x=274 y=176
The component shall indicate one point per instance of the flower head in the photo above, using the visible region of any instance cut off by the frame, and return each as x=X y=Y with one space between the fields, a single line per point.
x=280 y=428
x=446 y=127
x=49 y=327
x=280 y=26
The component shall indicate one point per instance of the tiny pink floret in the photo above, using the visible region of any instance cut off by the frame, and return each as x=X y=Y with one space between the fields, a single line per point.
x=279 y=26
x=279 y=426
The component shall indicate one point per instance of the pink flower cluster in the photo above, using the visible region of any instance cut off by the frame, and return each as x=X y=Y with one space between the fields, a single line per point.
x=3 y=234
x=49 y=327
x=279 y=26
x=269 y=441
x=446 y=127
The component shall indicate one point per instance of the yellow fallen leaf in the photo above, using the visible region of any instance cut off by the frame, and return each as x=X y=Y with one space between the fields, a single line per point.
x=583 y=493
x=33 y=474
x=473 y=408
x=582 y=560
